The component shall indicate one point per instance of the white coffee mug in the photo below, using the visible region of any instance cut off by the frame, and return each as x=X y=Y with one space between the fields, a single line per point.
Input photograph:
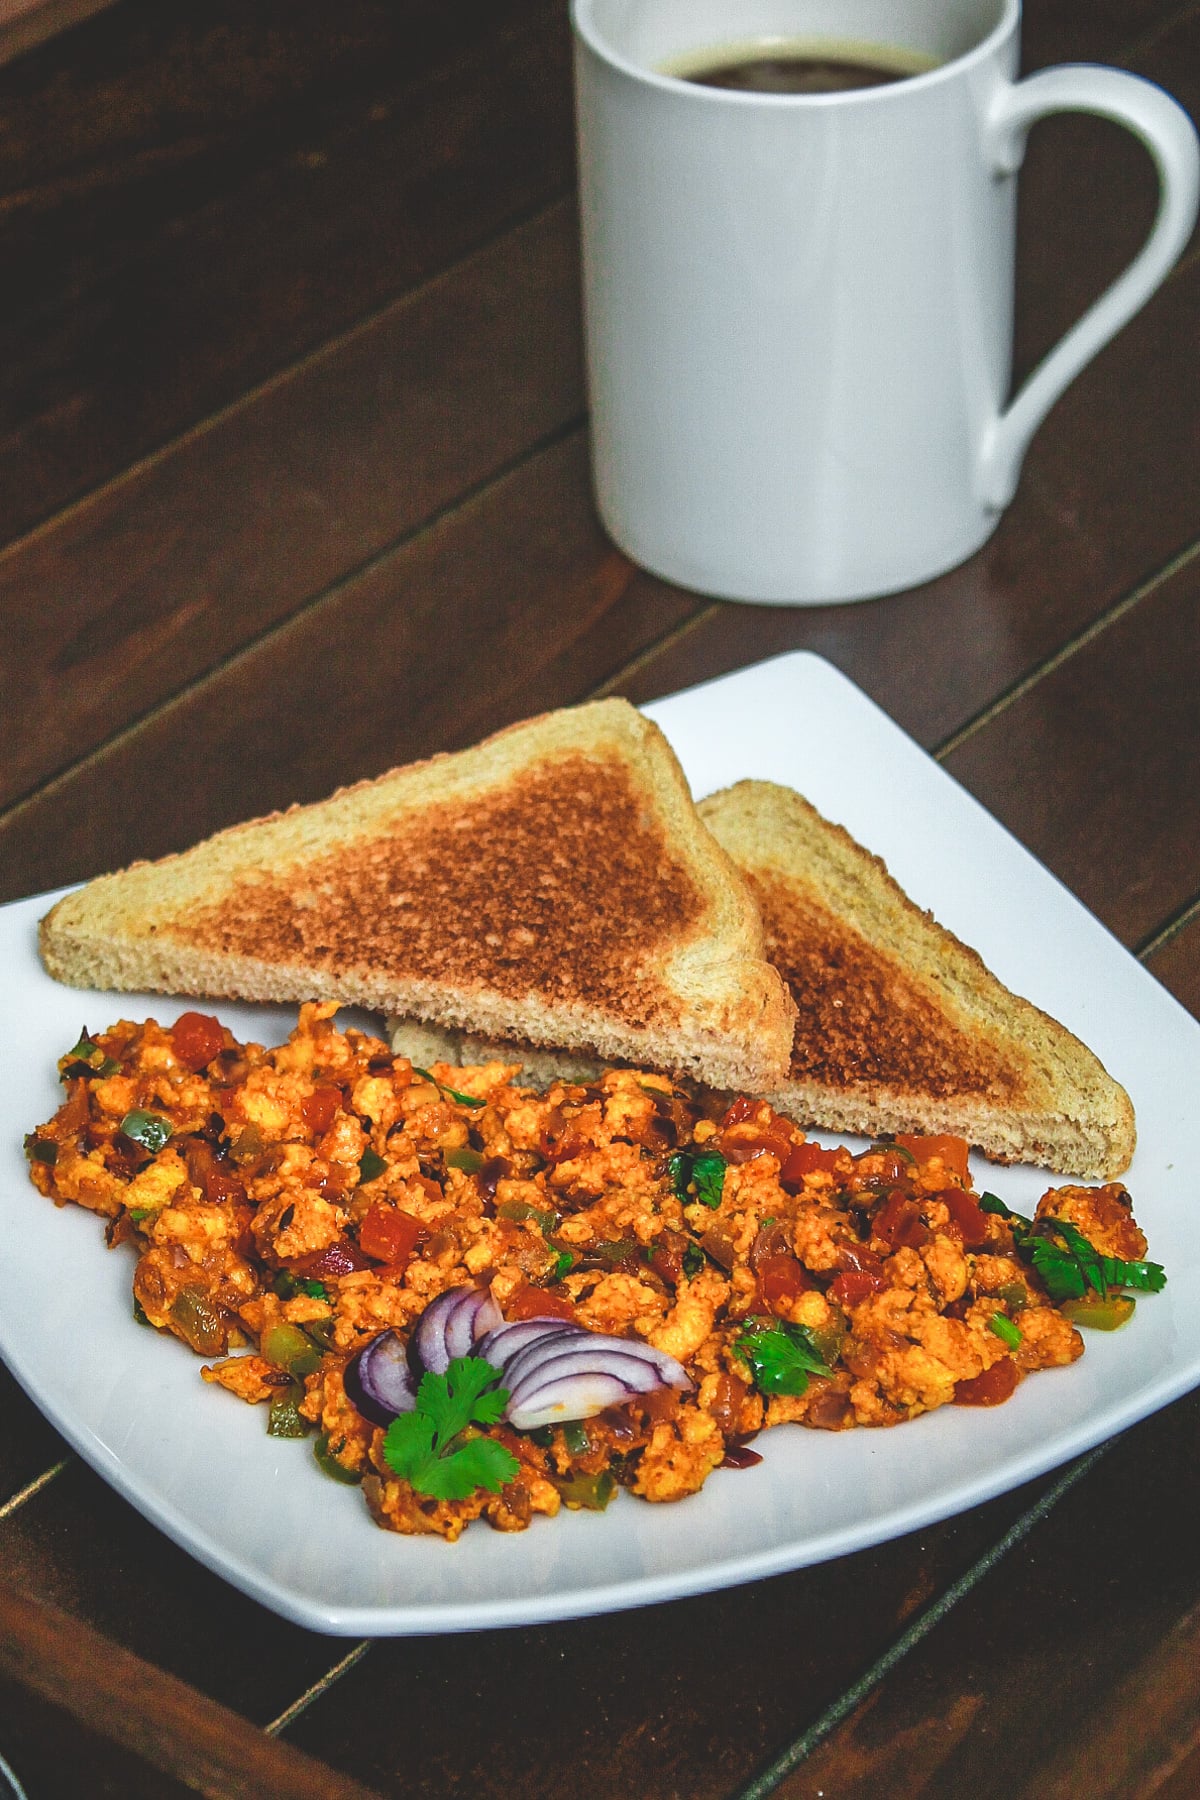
x=798 y=307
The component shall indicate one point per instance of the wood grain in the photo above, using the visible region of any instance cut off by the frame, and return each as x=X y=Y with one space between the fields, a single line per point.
x=165 y=573
x=1088 y=1621
x=1177 y=964
x=681 y=1699
x=206 y=1748
x=155 y=1600
x=1097 y=766
x=26 y=23
x=512 y=603
x=196 y=195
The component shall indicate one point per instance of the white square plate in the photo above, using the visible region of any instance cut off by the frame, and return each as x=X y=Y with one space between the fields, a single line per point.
x=258 y=1510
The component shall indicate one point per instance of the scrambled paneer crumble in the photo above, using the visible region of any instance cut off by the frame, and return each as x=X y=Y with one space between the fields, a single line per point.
x=289 y=1206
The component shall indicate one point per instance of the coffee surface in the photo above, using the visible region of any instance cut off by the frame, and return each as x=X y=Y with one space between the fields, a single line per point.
x=786 y=68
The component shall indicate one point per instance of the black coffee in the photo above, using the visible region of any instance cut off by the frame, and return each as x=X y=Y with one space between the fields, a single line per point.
x=798 y=73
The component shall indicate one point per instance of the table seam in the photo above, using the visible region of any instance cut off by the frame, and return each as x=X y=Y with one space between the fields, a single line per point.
x=1025 y=684
x=800 y=1748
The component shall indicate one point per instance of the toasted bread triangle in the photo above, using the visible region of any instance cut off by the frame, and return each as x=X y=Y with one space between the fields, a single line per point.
x=900 y=1027
x=553 y=883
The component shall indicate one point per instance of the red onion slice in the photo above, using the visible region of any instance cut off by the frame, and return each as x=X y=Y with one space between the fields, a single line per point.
x=475 y=1315
x=501 y=1345
x=450 y=1326
x=574 y=1373
x=378 y=1380
x=568 y=1337
x=669 y=1372
x=571 y=1397
x=639 y=1376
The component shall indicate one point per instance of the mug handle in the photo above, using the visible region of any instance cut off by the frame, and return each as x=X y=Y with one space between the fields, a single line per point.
x=1169 y=135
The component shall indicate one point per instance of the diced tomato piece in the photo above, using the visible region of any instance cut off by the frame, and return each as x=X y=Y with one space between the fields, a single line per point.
x=853 y=1286
x=564 y=1149
x=388 y=1234
x=196 y=1038
x=898 y=1222
x=742 y=1109
x=339 y=1258
x=888 y=1163
x=782 y=1279
x=952 y=1150
x=527 y=1302
x=992 y=1388
x=808 y=1159
x=217 y=1180
x=736 y=1149
x=858 y=1257
x=320 y=1108
x=967 y=1219
x=243 y=1242
x=667 y=1256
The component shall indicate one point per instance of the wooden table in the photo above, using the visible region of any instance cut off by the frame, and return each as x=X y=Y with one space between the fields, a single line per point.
x=293 y=485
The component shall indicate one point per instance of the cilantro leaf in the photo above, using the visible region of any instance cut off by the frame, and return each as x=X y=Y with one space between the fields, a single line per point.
x=424 y=1446
x=703 y=1170
x=1067 y=1263
x=448 y=1093
x=694 y=1260
x=1072 y=1265
x=781 y=1356
x=479 y=1463
x=992 y=1203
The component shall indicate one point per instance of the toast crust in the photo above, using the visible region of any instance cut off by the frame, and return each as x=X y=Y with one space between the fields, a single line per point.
x=552 y=884
x=900 y=1026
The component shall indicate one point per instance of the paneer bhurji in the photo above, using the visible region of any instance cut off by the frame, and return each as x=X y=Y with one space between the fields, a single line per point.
x=482 y=1301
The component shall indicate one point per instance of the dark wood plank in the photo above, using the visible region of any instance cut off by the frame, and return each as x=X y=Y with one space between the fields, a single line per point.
x=1177 y=965
x=25 y=23
x=1097 y=767
x=1106 y=30
x=206 y=1748
x=1021 y=1691
x=195 y=195
x=198 y=193
x=29 y=1444
x=78 y=1546
x=513 y=603
x=46 y=1748
x=681 y=1699
x=170 y=570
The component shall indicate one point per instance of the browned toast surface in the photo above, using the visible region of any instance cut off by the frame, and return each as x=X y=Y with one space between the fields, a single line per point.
x=863 y=1017
x=552 y=884
x=899 y=1025
x=566 y=884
